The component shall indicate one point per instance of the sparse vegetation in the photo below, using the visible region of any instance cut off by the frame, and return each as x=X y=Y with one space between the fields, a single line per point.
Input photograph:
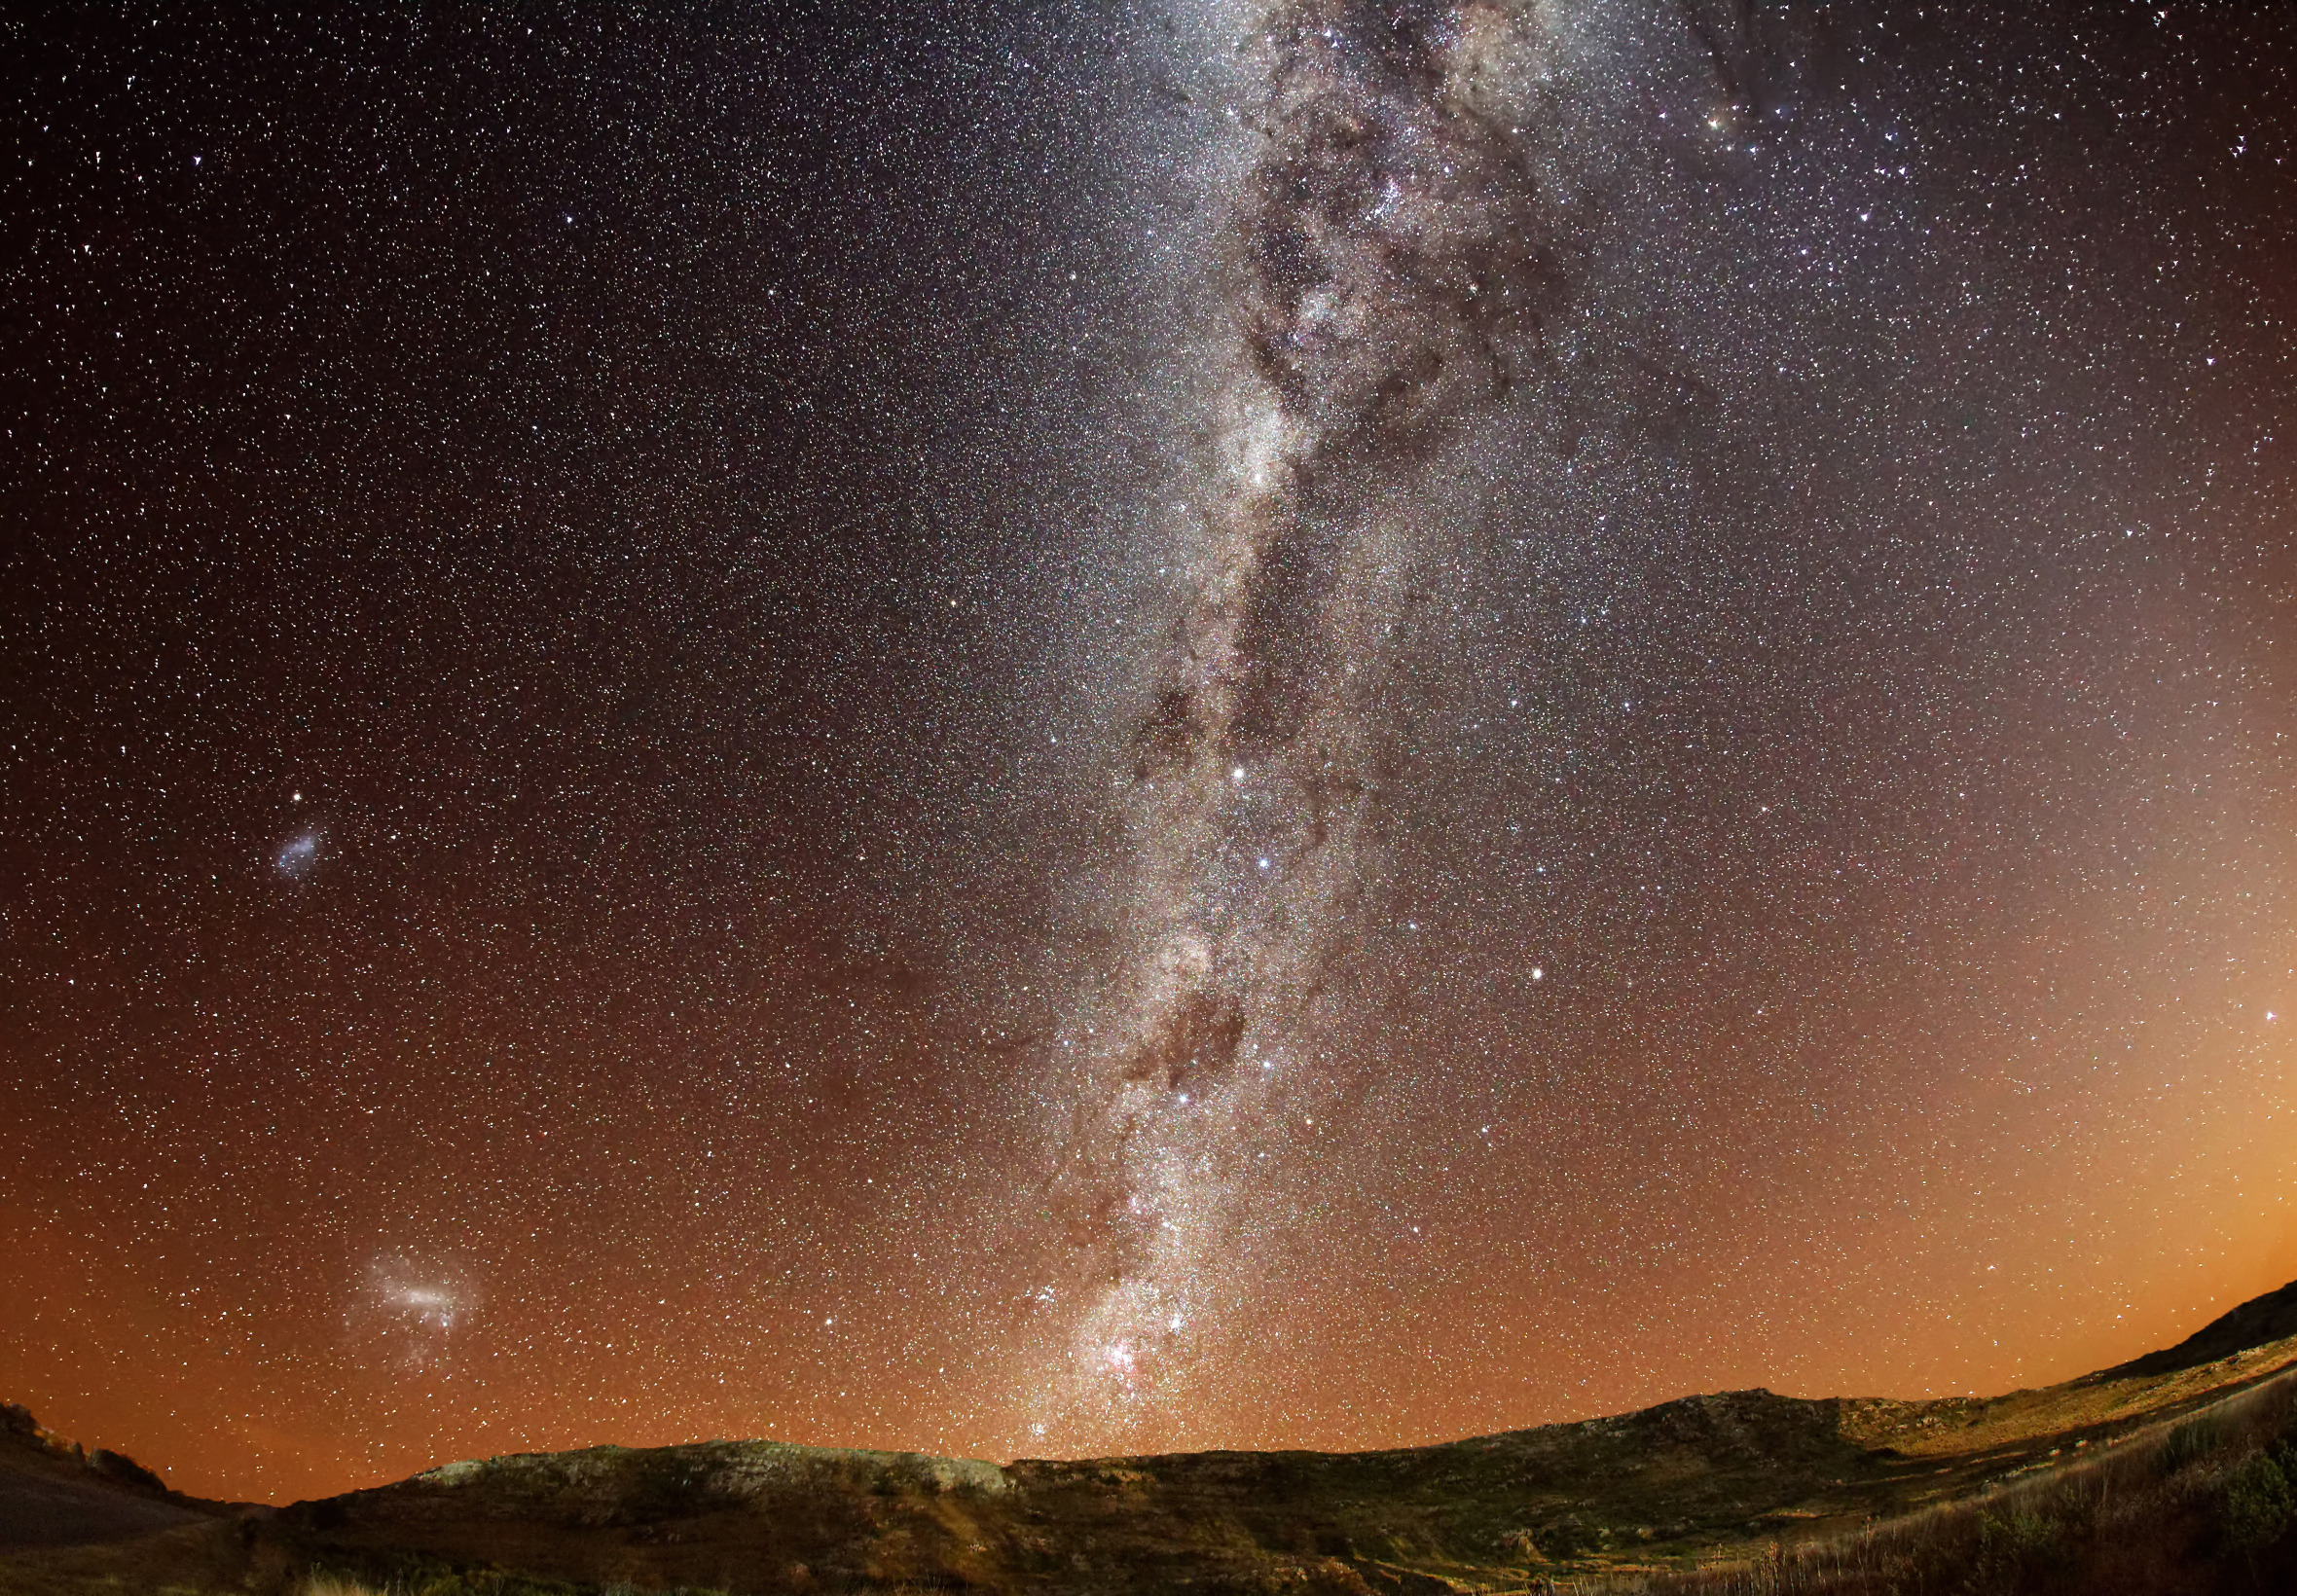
x=438 y=1582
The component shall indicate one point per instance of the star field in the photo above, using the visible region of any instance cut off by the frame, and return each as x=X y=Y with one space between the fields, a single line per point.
x=1016 y=731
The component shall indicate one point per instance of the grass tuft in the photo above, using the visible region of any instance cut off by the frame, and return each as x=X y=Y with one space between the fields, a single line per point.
x=336 y=1584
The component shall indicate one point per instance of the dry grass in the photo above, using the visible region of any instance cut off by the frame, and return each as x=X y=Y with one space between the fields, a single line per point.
x=335 y=1584
x=2171 y=1509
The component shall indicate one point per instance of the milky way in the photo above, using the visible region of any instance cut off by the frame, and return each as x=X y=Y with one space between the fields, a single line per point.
x=1383 y=273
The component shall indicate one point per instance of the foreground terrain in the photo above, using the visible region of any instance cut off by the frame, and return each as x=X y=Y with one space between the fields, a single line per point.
x=2174 y=1472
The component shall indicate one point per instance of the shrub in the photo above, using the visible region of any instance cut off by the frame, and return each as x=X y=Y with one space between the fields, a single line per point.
x=2018 y=1549
x=2259 y=1504
x=1569 y=1537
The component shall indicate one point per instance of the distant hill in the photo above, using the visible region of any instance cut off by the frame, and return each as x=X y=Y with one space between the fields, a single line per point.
x=2257 y=1322
x=1998 y=1494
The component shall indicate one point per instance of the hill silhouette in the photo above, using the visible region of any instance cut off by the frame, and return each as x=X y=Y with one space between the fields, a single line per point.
x=2260 y=1321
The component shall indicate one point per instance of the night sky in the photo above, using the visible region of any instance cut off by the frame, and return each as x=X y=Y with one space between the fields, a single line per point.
x=1026 y=731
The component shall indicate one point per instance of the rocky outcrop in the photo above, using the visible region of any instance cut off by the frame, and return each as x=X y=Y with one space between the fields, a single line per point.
x=53 y=1492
